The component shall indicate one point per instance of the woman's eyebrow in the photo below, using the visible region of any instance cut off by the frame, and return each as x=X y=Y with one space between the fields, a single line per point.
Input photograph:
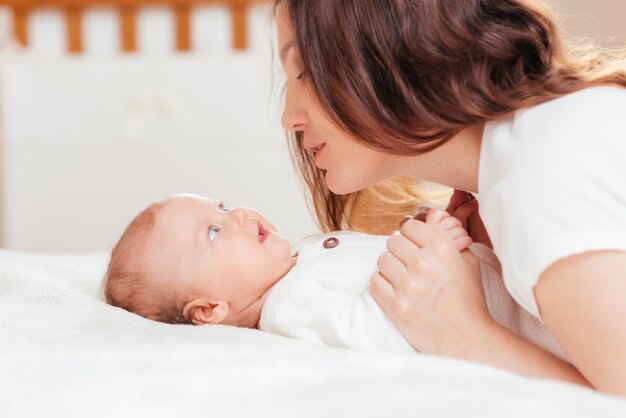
x=285 y=49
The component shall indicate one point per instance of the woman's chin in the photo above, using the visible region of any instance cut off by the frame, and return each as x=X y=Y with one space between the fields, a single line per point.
x=342 y=185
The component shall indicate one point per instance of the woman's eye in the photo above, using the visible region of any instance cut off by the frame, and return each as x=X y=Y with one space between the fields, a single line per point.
x=224 y=208
x=213 y=231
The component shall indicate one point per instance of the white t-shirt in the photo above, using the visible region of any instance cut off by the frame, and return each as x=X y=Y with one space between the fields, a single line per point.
x=552 y=183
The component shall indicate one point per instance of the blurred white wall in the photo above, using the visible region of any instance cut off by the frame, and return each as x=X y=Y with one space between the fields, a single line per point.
x=89 y=140
x=602 y=20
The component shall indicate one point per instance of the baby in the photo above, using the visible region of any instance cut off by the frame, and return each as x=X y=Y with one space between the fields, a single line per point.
x=192 y=260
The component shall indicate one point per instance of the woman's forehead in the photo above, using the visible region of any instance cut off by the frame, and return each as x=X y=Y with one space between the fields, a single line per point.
x=286 y=38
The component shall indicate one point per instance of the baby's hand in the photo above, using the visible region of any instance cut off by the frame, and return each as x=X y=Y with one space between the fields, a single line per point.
x=464 y=207
x=449 y=227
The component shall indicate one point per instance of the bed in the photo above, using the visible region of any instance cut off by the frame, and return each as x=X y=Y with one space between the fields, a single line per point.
x=64 y=352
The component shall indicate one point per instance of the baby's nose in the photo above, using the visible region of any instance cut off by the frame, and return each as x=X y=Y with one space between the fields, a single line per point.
x=239 y=216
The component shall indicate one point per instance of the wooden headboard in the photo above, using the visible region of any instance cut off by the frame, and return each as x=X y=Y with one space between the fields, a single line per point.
x=73 y=10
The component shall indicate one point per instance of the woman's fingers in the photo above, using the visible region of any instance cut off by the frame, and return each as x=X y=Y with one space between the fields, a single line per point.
x=444 y=223
x=403 y=249
x=413 y=265
x=420 y=215
x=391 y=268
x=434 y=216
x=423 y=236
x=382 y=290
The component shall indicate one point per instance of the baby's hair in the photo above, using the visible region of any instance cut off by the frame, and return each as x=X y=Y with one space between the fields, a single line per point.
x=127 y=283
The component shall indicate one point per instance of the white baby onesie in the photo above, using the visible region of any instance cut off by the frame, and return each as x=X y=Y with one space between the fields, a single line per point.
x=325 y=298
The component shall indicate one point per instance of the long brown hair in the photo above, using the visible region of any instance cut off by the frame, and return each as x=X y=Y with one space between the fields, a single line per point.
x=405 y=76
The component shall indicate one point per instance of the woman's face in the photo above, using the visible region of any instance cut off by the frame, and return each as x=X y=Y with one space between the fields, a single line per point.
x=350 y=166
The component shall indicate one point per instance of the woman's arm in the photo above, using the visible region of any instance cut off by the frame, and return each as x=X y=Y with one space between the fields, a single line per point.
x=434 y=295
x=582 y=300
x=501 y=348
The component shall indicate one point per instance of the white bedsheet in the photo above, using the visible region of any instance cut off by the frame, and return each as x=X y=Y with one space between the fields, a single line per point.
x=63 y=352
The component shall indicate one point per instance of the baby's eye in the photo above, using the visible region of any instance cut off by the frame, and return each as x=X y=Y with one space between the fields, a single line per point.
x=213 y=231
x=224 y=208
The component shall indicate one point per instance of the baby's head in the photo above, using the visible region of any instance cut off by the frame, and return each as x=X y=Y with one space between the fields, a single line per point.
x=189 y=259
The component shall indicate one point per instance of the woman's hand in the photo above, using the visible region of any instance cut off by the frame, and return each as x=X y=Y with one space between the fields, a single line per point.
x=431 y=292
x=434 y=295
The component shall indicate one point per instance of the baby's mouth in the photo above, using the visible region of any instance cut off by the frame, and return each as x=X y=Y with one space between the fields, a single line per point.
x=263 y=233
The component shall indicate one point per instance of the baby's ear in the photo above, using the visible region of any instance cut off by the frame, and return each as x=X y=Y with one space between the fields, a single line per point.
x=201 y=311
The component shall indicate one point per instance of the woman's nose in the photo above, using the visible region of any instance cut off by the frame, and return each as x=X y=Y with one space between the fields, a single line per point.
x=295 y=117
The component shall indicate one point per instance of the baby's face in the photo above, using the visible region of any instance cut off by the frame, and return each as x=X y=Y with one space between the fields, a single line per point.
x=234 y=255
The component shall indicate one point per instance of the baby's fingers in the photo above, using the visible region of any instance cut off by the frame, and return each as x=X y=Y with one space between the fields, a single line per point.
x=457 y=199
x=463 y=212
x=461 y=243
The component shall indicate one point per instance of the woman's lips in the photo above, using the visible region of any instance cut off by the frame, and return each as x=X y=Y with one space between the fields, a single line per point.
x=316 y=151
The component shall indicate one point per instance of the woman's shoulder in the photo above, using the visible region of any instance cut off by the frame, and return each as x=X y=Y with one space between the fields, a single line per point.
x=585 y=104
x=591 y=119
x=594 y=109
x=584 y=96
x=599 y=102
x=551 y=183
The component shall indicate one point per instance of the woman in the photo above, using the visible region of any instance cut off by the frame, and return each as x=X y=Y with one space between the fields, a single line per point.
x=482 y=96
